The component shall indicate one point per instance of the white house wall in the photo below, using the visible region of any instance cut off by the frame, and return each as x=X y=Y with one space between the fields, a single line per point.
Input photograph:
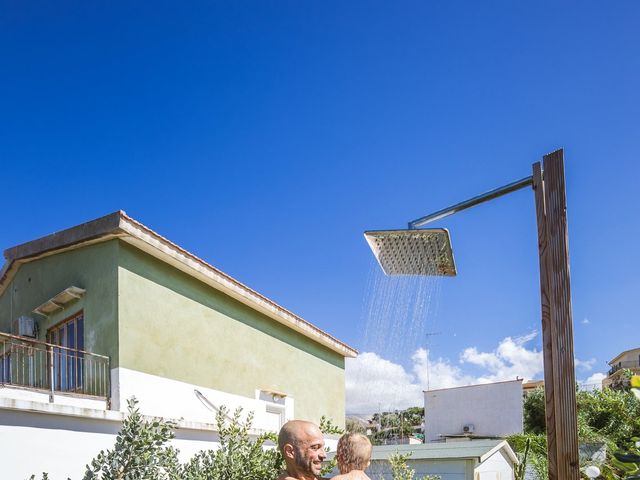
x=62 y=437
x=32 y=443
x=10 y=394
x=162 y=397
x=494 y=409
x=496 y=467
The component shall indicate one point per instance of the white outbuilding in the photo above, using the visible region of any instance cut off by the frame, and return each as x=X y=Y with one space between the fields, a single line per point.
x=452 y=460
x=486 y=410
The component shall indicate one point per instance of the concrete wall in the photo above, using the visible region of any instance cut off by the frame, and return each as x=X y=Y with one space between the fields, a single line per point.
x=495 y=409
x=176 y=327
x=93 y=268
x=162 y=397
x=62 y=445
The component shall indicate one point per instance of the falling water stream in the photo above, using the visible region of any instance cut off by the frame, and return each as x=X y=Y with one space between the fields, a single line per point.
x=399 y=315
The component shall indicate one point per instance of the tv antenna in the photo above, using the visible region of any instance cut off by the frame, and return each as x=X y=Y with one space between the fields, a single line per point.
x=429 y=335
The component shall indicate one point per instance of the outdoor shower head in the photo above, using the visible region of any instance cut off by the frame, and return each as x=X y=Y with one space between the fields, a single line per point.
x=413 y=252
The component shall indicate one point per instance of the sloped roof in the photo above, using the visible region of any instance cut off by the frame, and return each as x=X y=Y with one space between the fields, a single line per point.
x=120 y=225
x=472 y=449
x=617 y=357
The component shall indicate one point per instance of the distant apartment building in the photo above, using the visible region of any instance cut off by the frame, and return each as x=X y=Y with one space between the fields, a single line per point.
x=629 y=359
x=531 y=386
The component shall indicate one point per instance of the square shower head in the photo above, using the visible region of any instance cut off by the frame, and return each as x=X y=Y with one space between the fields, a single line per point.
x=413 y=252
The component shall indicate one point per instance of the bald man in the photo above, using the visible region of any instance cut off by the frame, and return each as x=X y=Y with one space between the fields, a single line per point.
x=302 y=446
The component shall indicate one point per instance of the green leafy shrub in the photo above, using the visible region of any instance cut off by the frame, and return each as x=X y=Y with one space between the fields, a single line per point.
x=141 y=452
x=238 y=457
x=533 y=412
x=609 y=416
x=401 y=471
x=531 y=449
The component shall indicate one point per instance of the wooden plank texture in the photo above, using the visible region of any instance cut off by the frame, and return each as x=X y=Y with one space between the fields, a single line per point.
x=538 y=188
x=556 y=311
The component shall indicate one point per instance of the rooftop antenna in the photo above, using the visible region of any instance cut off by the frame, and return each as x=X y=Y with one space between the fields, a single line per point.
x=429 y=335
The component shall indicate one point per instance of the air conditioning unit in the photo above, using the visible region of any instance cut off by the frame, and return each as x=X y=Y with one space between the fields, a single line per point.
x=468 y=428
x=26 y=327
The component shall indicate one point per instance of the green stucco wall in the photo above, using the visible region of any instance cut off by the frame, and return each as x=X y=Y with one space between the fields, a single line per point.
x=93 y=268
x=150 y=317
x=174 y=326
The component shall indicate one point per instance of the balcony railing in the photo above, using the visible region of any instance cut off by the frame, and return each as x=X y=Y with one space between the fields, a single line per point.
x=632 y=364
x=52 y=368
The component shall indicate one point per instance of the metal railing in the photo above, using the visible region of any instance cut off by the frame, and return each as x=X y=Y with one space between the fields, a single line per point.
x=37 y=365
x=621 y=365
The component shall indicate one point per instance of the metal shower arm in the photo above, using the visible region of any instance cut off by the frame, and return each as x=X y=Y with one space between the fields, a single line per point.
x=490 y=195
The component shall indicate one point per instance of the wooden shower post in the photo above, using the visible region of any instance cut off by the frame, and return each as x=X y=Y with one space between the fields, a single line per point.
x=557 y=325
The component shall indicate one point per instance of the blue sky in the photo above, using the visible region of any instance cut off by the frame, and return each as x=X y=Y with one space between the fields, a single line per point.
x=266 y=137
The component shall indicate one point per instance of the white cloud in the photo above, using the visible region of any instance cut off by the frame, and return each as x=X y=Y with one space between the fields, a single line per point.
x=586 y=365
x=585 y=321
x=509 y=360
x=374 y=383
x=438 y=373
x=594 y=382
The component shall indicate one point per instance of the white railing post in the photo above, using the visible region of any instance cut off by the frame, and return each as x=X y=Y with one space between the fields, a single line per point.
x=51 y=375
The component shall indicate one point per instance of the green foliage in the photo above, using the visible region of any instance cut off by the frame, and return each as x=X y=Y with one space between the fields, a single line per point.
x=399 y=423
x=608 y=416
x=354 y=426
x=602 y=414
x=612 y=414
x=399 y=468
x=414 y=416
x=328 y=427
x=622 y=381
x=238 y=457
x=628 y=461
x=140 y=451
x=520 y=470
x=534 y=420
x=531 y=449
x=401 y=471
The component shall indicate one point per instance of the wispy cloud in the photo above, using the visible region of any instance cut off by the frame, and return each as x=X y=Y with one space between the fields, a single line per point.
x=374 y=383
x=509 y=360
x=585 y=321
x=594 y=382
x=586 y=365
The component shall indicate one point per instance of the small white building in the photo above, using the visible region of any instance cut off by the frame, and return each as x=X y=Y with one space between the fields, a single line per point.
x=465 y=460
x=487 y=410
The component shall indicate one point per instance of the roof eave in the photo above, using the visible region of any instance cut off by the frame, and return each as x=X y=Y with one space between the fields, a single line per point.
x=120 y=225
x=504 y=445
x=620 y=355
